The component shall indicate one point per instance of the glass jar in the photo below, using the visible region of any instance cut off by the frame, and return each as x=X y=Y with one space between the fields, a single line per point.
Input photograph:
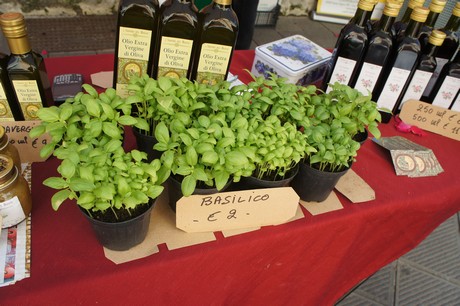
x=8 y=149
x=15 y=197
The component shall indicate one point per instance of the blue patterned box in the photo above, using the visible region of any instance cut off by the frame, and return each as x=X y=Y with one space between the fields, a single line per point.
x=295 y=57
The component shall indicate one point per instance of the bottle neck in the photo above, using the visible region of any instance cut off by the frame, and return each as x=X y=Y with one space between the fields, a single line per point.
x=431 y=19
x=361 y=17
x=385 y=23
x=413 y=28
x=406 y=16
x=430 y=50
x=19 y=45
x=453 y=24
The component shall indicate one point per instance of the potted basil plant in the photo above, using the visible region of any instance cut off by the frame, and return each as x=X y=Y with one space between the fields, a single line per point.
x=114 y=189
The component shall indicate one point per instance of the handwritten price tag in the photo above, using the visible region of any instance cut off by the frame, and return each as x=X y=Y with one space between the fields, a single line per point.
x=237 y=209
x=432 y=118
x=18 y=135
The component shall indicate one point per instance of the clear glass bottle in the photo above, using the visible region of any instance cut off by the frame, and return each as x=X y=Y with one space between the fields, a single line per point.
x=436 y=7
x=216 y=42
x=447 y=85
x=26 y=68
x=388 y=92
x=9 y=106
x=178 y=30
x=349 y=49
x=8 y=149
x=15 y=197
x=424 y=70
x=136 y=38
x=378 y=52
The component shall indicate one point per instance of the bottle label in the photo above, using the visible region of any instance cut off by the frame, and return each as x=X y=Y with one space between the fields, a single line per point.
x=447 y=91
x=12 y=212
x=393 y=87
x=213 y=63
x=416 y=86
x=342 y=71
x=367 y=78
x=5 y=111
x=174 y=57
x=29 y=98
x=133 y=56
x=440 y=63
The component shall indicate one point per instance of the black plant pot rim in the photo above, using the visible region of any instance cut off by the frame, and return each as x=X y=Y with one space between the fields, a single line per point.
x=150 y=206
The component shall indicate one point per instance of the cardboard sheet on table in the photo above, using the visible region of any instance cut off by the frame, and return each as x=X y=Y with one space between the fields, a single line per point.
x=102 y=79
x=332 y=203
x=352 y=186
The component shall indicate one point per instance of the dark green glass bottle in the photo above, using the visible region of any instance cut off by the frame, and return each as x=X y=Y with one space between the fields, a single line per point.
x=177 y=32
x=378 y=52
x=349 y=49
x=401 y=25
x=420 y=77
x=436 y=7
x=136 y=37
x=26 y=68
x=447 y=85
x=216 y=42
x=403 y=59
x=9 y=107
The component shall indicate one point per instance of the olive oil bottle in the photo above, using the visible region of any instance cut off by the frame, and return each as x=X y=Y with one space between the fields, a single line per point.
x=26 y=68
x=178 y=30
x=9 y=107
x=216 y=42
x=378 y=52
x=436 y=7
x=349 y=49
x=401 y=25
x=136 y=36
x=403 y=60
x=426 y=66
x=447 y=84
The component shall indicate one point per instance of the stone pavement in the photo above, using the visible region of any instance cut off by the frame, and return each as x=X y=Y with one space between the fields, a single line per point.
x=428 y=275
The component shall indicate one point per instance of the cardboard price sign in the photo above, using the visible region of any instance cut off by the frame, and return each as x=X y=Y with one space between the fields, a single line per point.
x=237 y=209
x=432 y=118
x=18 y=135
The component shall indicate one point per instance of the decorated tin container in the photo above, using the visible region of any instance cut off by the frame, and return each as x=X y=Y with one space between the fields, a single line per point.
x=296 y=58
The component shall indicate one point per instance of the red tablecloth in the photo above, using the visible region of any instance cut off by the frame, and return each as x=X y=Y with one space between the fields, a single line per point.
x=312 y=261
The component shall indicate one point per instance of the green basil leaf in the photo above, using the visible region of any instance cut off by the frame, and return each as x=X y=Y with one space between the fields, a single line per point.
x=90 y=90
x=59 y=197
x=188 y=185
x=162 y=133
x=48 y=114
x=55 y=183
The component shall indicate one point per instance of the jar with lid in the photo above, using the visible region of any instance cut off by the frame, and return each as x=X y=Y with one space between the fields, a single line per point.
x=8 y=149
x=15 y=197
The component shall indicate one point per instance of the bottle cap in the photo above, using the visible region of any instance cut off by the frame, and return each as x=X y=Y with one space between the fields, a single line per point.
x=223 y=2
x=414 y=3
x=366 y=5
x=14 y=29
x=436 y=6
x=392 y=8
x=436 y=37
x=420 y=14
x=7 y=170
x=456 y=10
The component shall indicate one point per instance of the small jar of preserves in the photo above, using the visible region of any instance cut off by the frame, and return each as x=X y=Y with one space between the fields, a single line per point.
x=8 y=149
x=15 y=197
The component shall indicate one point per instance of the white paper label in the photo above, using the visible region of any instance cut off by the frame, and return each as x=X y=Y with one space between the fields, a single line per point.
x=12 y=212
x=447 y=92
x=393 y=87
x=440 y=62
x=416 y=86
x=367 y=78
x=456 y=104
x=342 y=71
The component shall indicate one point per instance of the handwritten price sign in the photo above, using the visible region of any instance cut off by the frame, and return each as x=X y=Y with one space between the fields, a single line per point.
x=432 y=118
x=236 y=210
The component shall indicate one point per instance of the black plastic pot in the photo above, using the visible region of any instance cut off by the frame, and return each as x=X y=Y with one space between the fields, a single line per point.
x=145 y=144
x=313 y=185
x=252 y=182
x=121 y=236
x=361 y=137
x=175 y=191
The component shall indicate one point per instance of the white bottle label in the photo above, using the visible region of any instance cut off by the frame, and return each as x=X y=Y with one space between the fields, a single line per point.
x=447 y=91
x=5 y=110
x=12 y=212
x=213 y=63
x=456 y=104
x=393 y=87
x=29 y=98
x=367 y=78
x=342 y=71
x=440 y=62
x=174 y=57
x=416 y=86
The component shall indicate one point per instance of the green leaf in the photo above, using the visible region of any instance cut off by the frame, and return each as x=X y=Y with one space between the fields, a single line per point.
x=90 y=90
x=185 y=139
x=108 y=111
x=162 y=133
x=123 y=186
x=221 y=178
x=93 y=108
x=55 y=183
x=191 y=156
x=48 y=114
x=86 y=198
x=79 y=184
x=236 y=158
x=164 y=83
x=138 y=155
x=200 y=174
x=209 y=158
x=111 y=130
x=142 y=124
x=188 y=185
x=59 y=197
x=66 y=112
x=47 y=150
x=154 y=191
x=37 y=131
x=67 y=169
x=127 y=120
